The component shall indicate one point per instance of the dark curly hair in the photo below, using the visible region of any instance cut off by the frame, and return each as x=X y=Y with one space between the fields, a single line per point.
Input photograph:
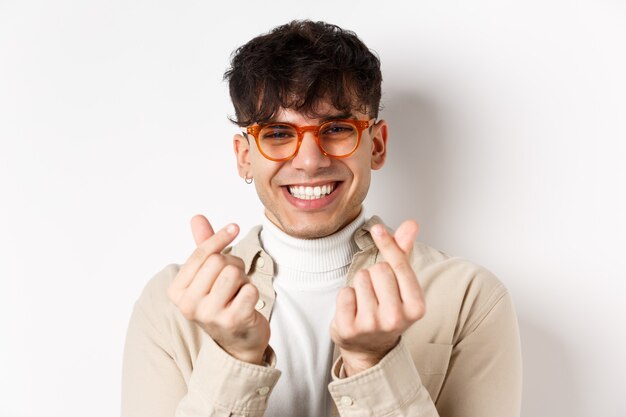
x=297 y=66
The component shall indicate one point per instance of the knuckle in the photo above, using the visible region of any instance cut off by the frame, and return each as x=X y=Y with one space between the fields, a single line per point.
x=416 y=311
x=381 y=268
x=236 y=261
x=345 y=297
x=361 y=279
x=217 y=261
x=229 y=323
x=403 y=268
x=250 y=291
x=187 y=309
x=230 y=277
x=346 y=334
x=375 y=269
x=231 y=271
x=392 y=321
x=199 y=254
x=246 y=299
x=367 y=324
x=204 y=316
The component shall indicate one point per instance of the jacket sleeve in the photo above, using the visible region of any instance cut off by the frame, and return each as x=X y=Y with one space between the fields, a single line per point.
x=158 y=381
x=483 y=377
x=391 y=388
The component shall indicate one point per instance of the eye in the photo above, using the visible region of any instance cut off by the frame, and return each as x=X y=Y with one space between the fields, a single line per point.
x=340 y=129
x=277 y=132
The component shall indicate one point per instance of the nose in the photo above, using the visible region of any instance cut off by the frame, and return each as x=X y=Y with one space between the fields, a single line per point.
x=310 y=157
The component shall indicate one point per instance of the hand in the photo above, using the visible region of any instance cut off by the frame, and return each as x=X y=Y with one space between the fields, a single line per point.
x=383 y=302
x=213 y=290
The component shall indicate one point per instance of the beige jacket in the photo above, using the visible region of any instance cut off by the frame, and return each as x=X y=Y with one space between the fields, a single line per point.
x=461 y=360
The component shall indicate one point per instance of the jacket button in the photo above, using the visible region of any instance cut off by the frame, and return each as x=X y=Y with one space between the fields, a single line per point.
x=259 y=304
x=263 y=390
x=260 y=262
x=346 y=401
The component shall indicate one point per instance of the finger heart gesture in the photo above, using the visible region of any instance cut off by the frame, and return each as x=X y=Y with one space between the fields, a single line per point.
x=212 y=290
x=383 y=301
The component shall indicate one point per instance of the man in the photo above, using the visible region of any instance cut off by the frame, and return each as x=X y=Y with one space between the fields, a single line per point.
x=319 y=311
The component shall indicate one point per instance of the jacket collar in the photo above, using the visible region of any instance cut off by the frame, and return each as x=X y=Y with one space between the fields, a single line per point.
x=249 y=248
x=362 y=236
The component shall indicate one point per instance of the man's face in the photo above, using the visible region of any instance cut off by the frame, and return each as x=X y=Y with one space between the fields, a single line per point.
x=348 y=179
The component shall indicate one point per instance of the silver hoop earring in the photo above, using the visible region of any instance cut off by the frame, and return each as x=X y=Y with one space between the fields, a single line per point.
x=248 y=180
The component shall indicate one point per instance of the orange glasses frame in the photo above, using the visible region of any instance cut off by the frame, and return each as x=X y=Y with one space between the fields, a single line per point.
x=360 y=125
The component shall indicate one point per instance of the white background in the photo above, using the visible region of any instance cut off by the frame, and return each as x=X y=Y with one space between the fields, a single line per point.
x=508 y=131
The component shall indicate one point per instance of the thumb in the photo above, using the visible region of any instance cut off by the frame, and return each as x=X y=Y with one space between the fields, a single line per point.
x=405 y=235
x=201 y=229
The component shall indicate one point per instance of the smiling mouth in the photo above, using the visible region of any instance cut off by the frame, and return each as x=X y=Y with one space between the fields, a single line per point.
x=311 y=193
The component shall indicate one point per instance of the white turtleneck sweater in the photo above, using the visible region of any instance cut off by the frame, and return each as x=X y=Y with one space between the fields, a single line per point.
x=309 y=273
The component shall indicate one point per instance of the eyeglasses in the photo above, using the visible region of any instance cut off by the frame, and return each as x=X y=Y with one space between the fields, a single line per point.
x=336 y=138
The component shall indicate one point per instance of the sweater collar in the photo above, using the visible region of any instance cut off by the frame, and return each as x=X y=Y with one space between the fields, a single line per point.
x=249 y=248
x=319 y=255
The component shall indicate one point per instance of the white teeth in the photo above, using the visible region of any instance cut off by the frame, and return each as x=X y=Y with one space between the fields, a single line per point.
x=311 y=193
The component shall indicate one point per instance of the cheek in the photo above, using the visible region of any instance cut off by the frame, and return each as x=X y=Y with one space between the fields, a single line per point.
x=265 y=175
x=363 y=183
x=361 y=171
x=262 y=169
x=362 y=180
x=256 y=164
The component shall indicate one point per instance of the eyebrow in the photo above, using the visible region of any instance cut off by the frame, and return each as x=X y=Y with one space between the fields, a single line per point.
x=340 y=116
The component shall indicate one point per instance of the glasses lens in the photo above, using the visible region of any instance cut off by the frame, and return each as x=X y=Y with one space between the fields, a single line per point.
x=278 y=141
x=338 y=138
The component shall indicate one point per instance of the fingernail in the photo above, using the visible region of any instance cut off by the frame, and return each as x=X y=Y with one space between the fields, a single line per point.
x=377 y=230
x=231 y=228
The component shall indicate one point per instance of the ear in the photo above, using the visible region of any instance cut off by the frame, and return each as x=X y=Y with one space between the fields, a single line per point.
x=241 y=146
x=379 y=144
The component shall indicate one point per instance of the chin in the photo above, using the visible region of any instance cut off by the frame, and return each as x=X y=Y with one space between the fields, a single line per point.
x=310 y=231
x=311 y=224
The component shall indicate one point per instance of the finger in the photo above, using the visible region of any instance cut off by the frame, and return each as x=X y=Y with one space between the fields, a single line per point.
x=191 y=296
x=410 y=291
x=385 y=285
x=345 y=312
x=201 y=229
x=389 y=248
x=226 y=286
x=206 y=276
x=244 y=301
x=405 y=235
x=390 y=306
x=215 y=244
x=366 y=302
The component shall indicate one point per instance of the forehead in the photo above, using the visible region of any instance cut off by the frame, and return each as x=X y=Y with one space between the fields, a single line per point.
x=322 y=112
